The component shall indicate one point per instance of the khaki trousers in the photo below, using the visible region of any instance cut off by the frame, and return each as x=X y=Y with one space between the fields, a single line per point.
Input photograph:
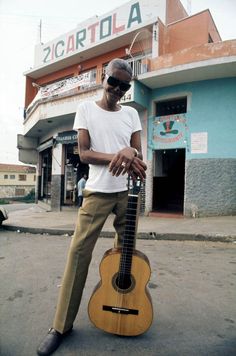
x=91 y=218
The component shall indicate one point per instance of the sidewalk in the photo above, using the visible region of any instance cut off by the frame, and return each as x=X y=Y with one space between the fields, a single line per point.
x=37 y=220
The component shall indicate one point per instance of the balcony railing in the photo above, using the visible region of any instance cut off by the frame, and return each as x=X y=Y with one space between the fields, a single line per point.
x=138 y=65
x=80 y=83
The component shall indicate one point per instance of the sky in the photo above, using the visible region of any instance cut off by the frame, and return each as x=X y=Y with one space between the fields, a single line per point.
x=19 y=32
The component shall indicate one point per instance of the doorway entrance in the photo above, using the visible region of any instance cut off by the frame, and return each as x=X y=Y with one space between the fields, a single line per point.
x=46 y=177
x=74 y=170
x=168 y=180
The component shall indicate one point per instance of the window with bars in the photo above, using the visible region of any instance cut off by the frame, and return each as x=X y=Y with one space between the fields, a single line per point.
x=171 y=107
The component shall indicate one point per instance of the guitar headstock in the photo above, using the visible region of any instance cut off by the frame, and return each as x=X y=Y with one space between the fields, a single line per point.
x=134 y=185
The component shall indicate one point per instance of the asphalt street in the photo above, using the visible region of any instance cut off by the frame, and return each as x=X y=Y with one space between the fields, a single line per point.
x=192 y=285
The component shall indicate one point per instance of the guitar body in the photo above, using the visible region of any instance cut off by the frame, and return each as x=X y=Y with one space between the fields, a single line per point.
x=122 y=307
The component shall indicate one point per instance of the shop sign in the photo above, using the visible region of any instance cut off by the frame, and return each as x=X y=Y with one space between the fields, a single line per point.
x=58 y=88
x=129 y=17
x=67 y=137
x=169 y=130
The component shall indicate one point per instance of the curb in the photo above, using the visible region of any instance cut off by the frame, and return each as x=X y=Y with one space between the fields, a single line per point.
x=140 y=235
x=38 y=230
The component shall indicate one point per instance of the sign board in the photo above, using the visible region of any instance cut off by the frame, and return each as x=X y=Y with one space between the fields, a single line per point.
x=199 y=142
x=129 y=95
x=169 y=131
x=97 y=30
x=67 y=137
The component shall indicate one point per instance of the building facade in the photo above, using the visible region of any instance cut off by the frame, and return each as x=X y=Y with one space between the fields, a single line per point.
x=16 y=180
x=184 y=81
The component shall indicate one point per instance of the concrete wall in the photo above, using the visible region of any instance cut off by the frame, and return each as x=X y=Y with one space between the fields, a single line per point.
x=192 y=31
x=184 y=35
x=174 y=11
x=9 y=191
x=210 y=188
x=213 y=110
x=56 y=197
x=197 y=53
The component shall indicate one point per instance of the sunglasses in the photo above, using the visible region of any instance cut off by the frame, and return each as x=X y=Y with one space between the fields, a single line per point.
x=114 y=82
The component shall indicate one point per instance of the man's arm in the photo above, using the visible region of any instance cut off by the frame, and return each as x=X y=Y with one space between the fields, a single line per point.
x=87 y=155
x=135 y=142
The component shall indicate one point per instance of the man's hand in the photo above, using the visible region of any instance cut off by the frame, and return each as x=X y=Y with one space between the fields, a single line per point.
x=137 y=169
x=126 y=162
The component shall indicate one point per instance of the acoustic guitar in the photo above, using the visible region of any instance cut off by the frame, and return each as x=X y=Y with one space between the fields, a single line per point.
x=121 y=303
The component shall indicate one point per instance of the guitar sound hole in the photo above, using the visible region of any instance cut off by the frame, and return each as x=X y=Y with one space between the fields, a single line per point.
x=123 y=282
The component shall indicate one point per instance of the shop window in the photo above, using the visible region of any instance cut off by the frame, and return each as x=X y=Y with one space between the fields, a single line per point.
x=171 y=107
x=22 y=177
x=5 y=176
x=19 y=192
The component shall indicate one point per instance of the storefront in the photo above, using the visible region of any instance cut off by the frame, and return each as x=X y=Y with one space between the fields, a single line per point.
x=59 y=170
x=168 y=136
x=74 y=170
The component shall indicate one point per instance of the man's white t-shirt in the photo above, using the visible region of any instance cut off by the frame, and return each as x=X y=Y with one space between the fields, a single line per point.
x=109 y=131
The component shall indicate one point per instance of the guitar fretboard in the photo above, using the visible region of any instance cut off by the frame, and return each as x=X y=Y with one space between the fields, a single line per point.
x=129 y=237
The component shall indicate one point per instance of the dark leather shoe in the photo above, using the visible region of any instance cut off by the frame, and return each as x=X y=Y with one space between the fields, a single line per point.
x=51 y=342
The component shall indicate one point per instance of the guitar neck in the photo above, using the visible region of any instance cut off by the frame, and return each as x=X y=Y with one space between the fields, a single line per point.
x=129 y=235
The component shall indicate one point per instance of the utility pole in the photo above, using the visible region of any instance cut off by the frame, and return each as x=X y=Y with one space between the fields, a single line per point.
x=39 y=35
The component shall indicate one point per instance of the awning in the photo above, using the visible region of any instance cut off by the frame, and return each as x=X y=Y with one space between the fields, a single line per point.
x=45 y=145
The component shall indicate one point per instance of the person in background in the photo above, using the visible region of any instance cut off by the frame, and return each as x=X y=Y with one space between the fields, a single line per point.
x=80 y=187
x=110 y=142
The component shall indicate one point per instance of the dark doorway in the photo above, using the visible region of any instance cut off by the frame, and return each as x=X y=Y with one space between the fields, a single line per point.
x=74 y=170
x=168 y=180
x=46 y=177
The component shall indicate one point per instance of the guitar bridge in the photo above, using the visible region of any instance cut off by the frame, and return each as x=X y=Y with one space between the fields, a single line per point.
x=119 y=310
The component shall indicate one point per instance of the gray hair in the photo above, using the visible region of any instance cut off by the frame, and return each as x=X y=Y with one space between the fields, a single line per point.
x=119 y=64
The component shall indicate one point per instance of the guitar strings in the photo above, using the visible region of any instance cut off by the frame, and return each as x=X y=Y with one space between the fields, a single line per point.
x=126 y=239
x=127 y=245
x=129 y=235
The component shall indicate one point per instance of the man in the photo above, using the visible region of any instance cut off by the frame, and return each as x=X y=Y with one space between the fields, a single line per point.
x=109 y=141
x=80 y=187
